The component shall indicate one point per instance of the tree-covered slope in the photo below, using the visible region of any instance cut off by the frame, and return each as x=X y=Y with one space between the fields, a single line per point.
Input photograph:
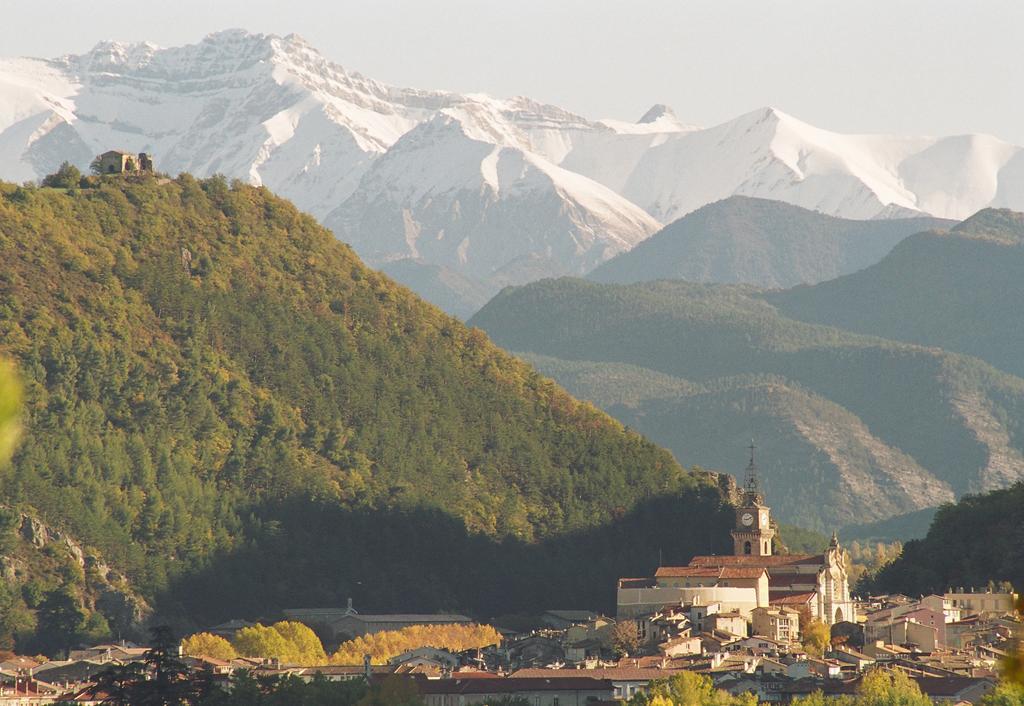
x=820 y=463
x=208 y=374
x=977 y=540
x=454 y=292
x=962 y=291
x=758 y=241
x=954 y=416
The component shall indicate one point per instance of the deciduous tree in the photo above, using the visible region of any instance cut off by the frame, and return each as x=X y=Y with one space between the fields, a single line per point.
x=890 y=688
x=815 y=637
x=204 y=644
x=626 y=637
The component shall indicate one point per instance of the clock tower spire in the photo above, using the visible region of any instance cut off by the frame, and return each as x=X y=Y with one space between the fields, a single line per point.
x=754 y=531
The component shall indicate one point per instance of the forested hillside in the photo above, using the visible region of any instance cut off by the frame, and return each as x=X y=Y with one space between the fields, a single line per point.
x=863 y=428
x=978 y=540
x=759 y=241
x=961 y=290
x=811 y=451
x=240 y=416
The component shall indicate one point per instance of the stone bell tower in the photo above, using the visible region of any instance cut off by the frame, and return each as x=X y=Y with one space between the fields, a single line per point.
x=754 y=532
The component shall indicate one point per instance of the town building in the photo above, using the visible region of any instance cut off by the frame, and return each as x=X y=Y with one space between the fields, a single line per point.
x=347 y=623
x=776 y=622
x=642 y=596
x=754 y=575
x=984 y=603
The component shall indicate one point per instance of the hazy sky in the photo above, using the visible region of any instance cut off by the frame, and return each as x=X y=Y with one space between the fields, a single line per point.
x=898 y=66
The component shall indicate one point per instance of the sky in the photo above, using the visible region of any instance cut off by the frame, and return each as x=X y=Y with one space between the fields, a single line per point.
x=914 y=67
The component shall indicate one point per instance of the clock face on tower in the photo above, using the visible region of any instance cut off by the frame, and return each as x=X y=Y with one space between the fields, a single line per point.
x=747 y=519
x=764 y=519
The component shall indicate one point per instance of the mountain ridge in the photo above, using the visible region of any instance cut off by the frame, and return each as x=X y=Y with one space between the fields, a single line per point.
x=273 y=111
x=819 y=462
x=746 y=240
x=957 y=417
x=959 y=290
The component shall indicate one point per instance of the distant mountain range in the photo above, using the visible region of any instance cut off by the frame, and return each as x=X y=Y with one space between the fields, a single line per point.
x=961 y=290
x=822 y=466
x=746 y=240
x=856 y=428
x=501 y=191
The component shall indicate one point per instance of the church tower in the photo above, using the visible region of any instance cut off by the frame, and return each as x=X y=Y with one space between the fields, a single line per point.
x=754 y=532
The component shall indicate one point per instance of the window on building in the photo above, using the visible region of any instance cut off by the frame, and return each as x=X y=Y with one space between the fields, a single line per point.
x=746 y=547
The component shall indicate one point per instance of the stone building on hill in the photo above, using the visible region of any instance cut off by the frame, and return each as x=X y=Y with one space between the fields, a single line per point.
x=118 y=162
x=765 y=578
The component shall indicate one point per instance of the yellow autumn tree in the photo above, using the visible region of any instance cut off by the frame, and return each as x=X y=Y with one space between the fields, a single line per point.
x=816 y=635
x=382 y=646
x=692 y=689
x=881 y=687
x=306 y=646
x=287 y=641
x=204 y=644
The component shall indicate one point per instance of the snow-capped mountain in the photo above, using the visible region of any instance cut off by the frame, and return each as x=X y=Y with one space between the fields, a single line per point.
x=266 y=109
x=769 y=154
x=456 y=191
x=500 y=190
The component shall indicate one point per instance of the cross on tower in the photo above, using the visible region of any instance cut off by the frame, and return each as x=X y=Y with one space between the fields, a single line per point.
x=752 y=484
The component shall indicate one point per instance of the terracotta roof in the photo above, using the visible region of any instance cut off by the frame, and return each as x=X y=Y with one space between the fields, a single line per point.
x=683 y=571
x=946 y=686
x=514 y=685
x=724 y=572
x=636 y=583
x=779 y=579
x=613 y=673
x=790 y=598
x=742 y=572
x=766 y=561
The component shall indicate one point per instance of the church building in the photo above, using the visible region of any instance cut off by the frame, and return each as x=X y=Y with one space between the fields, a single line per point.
x=816 y=581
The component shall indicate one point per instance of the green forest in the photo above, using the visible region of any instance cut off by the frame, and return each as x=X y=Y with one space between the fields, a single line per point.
x=975 y=543
x=960 y=290
x=226 y=406
x=855 y=428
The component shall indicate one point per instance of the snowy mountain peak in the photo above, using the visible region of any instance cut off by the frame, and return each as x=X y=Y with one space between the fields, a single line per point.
x=656 y=112
x=657 y=120
x=501 y=188
x=114 y=56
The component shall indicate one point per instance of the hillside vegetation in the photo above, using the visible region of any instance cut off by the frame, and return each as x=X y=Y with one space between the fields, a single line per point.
x=758 y=241
x=864 y=428
x=239 y=415
x=975 y=542
x=961 y=291
x=811 y=450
